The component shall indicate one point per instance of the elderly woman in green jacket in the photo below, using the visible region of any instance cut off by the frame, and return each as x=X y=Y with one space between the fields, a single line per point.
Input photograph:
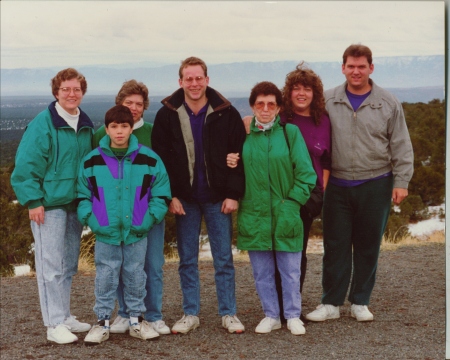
x=278 y=180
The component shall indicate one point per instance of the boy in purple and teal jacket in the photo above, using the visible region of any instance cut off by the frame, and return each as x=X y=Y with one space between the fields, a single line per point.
x=123 y=190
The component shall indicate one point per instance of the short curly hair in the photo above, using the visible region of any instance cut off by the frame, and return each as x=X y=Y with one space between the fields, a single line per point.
x=133 y=87
x=265 y=88
x=65 y=75
x=302 y=75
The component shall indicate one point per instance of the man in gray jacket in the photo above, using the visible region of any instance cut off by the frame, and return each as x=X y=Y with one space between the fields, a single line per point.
x=372 y=164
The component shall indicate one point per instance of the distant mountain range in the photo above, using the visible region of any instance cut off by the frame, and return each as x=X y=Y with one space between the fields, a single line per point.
x=410 y=78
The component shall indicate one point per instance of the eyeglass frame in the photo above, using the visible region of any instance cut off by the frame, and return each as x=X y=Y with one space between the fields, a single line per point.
x=198 y=79
x=68 y=90
x=261 y=105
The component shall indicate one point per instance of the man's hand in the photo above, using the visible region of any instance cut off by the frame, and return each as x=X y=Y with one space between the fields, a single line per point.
x=229 y=206
x=175 y=207
x=232 y=160
x=247 y=121
x=398 y=194
x=37 y=215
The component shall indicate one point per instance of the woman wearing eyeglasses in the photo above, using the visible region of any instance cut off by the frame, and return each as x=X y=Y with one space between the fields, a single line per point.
x=278 y=180
x=44 y=180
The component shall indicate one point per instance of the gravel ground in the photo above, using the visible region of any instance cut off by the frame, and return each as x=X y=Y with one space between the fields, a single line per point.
x=408 y=303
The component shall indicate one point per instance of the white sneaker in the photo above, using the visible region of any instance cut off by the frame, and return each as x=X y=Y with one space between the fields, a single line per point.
x=267 y=325
x=120 y=325
x=296 y=326
x=324 y=312
x=361 y=313
x=143 y=330
x=61 y=334
x=232 y=324
x=160 y=327
x=186 y=324
x=97 y=334
x=75 y=326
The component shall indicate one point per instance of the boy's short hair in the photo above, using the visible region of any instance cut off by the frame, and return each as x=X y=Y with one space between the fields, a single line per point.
x=119 y=114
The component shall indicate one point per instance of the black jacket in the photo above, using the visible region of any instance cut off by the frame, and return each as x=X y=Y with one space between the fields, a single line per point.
x=223 y=133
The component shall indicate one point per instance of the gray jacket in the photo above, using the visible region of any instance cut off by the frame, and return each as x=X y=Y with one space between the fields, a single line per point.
x=371 y=141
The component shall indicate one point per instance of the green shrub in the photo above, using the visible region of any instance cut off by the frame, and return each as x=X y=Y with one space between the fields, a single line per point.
x=16 y=238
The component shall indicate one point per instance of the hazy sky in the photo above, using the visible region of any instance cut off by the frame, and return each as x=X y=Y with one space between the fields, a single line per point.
x=79 y=33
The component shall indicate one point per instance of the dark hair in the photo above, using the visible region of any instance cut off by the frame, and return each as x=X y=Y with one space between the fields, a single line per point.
x=67 y=74
x=357 y=50
x=265 y=88
x=302 y=75
x=119 y=114
x=132 y=87
x=192 y=61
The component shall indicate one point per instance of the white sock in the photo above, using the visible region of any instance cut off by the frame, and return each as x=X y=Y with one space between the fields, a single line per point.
x=107 y=322
x=134 y=320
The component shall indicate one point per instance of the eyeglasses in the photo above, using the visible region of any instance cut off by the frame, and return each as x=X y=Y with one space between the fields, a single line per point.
x=199 y=79
x=67 y=90
x=260 y=105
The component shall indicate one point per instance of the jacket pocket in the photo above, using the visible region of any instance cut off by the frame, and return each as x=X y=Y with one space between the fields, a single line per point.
x=248 y=220
x=60 y=187
x=287 y=219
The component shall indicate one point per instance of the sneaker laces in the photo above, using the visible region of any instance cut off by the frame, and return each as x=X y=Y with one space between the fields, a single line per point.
x=159 y=324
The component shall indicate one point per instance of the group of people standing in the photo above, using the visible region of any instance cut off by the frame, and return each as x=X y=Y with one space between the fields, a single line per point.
x=347 y=148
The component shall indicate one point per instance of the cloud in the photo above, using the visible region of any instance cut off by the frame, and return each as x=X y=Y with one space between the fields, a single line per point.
x=60 y=33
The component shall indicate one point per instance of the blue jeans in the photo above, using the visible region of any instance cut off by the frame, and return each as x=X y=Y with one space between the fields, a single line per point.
x=113 y=262
x=288 y=264
x=154 y=262
x=219 y=229
x=57 y=247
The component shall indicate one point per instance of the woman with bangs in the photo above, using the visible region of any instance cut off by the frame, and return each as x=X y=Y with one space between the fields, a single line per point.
x=303 y=105
x=278 y=181
x=44 y=180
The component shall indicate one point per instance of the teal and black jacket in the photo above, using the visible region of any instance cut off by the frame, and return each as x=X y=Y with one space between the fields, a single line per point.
x=121 y=199
x=48 y=159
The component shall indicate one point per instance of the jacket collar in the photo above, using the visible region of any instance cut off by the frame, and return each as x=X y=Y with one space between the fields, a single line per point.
x=215 y=99
x=105 y=142
x=59 y=122
x=374 y=99
x=254 y=128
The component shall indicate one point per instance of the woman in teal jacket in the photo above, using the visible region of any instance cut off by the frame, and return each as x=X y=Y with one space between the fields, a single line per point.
x=278 y=180
x=44 y=180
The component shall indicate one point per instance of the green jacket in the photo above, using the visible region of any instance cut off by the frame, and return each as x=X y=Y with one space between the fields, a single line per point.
x=122 y=199
x=48 y=158
x=277 y=183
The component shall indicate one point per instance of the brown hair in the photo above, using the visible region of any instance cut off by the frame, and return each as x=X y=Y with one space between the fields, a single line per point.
x=192 y=61
x=132 y=87
x=67 y=74
x=357 y=50
x=119 y=114
x=265 y=88
x=302 y=75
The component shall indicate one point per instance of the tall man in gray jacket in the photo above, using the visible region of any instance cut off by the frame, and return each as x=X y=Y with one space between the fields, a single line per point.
x=372 y=164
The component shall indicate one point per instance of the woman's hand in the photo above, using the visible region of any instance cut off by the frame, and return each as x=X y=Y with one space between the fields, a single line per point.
x=232 y=160
x=37 y=215
x=247 y=121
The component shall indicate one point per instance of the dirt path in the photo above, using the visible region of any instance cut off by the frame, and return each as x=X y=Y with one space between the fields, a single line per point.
x=408 y=303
